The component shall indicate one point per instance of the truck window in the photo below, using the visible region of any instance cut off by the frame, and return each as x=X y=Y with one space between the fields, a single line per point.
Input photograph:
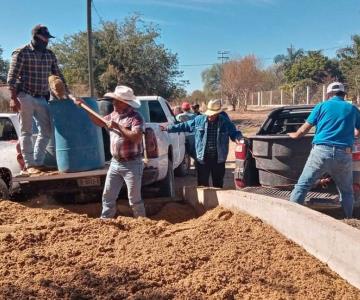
x=287 y=123
x=7 y=130
x=144 y=110
x=172 y=116
x=156 y=112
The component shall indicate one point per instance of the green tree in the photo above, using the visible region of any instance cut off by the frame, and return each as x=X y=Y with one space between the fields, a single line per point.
x=314 y=66
x=349 y=60
x=211 y=78
x=124 y=53
x=285 y=61
x=4 y=67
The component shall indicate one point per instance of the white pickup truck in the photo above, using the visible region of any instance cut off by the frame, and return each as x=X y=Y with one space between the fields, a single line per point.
x=165 y=153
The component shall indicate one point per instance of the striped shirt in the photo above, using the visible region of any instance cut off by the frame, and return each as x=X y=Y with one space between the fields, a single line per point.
x=121 y=148
x=32 y=69
x=211 y=141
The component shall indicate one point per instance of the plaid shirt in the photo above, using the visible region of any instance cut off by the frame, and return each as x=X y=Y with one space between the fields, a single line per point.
x=32 y=68
x=211 y=142
x=122 y=148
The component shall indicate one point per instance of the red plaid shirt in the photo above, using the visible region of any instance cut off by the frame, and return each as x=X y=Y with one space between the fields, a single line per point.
x=32 y=68
x=122 y=148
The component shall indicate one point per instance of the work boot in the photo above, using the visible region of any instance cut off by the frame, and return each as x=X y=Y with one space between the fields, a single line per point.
x=138 y=210
x=23 y=173
x=33 y=171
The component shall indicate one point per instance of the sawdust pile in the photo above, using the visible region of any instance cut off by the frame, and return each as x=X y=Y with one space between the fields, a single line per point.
x=57 y=254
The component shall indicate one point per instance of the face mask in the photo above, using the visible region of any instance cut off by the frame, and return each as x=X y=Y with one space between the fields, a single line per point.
x=39 y=44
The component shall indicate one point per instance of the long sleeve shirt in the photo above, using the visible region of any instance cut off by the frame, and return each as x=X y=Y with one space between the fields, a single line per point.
x=31 y=69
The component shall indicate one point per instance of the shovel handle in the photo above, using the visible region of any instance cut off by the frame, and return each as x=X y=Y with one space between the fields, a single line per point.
x=89 y=110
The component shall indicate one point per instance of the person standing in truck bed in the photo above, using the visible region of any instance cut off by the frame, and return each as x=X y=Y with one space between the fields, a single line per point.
x=335 y=121
x=28 y=75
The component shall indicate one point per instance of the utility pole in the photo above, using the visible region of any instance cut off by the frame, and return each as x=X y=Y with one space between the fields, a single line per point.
x=90 y=61
x=223 y=55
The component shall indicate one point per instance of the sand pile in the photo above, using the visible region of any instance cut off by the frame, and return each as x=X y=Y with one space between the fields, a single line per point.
x=57 y=254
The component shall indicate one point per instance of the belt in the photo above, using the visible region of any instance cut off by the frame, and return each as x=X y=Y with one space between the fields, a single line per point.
x=346 y=149
x=35 y=95
x=130 y=158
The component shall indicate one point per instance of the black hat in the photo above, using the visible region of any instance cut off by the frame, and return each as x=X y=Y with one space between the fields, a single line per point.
x=42 y=30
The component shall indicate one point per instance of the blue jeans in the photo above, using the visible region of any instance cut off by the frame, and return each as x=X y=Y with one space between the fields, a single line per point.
x=38 y=109
x=190 y=145
x=129 y=172
x=333 y=161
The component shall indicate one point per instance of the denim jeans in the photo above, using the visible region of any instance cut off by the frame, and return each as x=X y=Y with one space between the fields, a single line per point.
x=38 y=109
x=333 y=161
x=129 y=172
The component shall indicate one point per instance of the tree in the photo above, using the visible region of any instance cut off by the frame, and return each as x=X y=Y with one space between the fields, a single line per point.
x=239 y=78
x=4 y=67
x=285 y=61
x=197 y=97
x=125 y=53
x=273 y=77
x=211 y=79
x=314 y=66
x=349 y=60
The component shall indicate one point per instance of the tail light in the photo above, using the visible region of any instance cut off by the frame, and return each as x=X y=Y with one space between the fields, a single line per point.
x=151 y=143
x=241 y=150
x=356 y=187
x=356 y=150
x=239 y=183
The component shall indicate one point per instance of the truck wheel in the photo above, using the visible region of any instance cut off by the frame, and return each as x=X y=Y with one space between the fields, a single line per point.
x=183 y=169
x=167 y=185
x=4 y=191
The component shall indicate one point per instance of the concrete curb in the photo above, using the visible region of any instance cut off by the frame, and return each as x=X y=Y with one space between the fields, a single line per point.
x=329 y=240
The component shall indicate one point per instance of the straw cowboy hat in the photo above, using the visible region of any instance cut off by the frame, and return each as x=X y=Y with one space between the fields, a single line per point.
x=213 y=108
x=124 y=94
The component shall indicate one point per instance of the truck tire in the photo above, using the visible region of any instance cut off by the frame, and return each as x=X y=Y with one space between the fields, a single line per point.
x=4 y=191
x=183 y=169
x=167 y=185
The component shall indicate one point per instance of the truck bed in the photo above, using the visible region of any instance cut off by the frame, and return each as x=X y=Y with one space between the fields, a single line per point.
x=47 y=176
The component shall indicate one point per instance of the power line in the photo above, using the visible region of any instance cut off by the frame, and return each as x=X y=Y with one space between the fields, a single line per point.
x=97 y=12
x=261 y=58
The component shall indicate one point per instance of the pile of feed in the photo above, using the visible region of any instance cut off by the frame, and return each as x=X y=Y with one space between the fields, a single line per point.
x=47 y=254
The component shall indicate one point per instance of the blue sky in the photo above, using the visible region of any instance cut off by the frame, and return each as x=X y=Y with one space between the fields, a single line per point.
x=197 y=29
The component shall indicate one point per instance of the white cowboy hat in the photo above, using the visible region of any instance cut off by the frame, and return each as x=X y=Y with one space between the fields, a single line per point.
x=213 y=107
x=124 y=94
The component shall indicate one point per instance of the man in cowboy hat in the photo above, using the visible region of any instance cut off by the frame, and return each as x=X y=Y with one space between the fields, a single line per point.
x=335 y=121
x=28 y=75
x=212 y=132
x=126 y=150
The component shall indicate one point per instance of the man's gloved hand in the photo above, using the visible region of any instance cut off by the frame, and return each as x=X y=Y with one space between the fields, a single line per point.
x=163 y=128
x=57 y=87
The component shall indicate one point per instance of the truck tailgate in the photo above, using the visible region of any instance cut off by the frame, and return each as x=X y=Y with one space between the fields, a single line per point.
x=315 y=199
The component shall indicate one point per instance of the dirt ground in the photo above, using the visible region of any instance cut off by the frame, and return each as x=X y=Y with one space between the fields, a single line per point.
x=49 y=252
x=55 y=254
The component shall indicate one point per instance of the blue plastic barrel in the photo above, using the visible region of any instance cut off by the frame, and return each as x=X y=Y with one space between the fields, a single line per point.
x=79 y=143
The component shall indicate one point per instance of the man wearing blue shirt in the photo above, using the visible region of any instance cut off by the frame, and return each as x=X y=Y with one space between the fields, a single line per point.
x=335 y=121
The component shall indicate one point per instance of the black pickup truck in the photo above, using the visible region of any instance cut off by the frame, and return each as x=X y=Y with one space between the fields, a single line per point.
x=270 y=162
